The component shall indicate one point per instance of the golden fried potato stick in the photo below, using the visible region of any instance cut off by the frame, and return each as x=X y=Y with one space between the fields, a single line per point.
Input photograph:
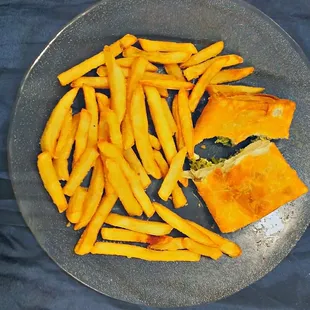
x=103 y=128
x=95 y=61
x=82 y=134
x=161 y=125
x=157 y=57
x=197 y=70
x=163 y=92
x=185 y=117
x=103 y=72
x=92 y=108
x=204 y=81
x=122 y=188
x=166 y=46
x=54 y=124
x=161 y=162
x=172 y=244
x=89 y=235
x=95 y=82
x=61 y=163
x=127 y=62
x=203 y=55
x=103 y=101
x=117 y=85
x=233 y=89
x=231 y=75
x=133 y=251
x=94 y=195
x=120 y=234
x=168 y=115
x=182 y=225
x=202 y=249
x=136 y=165
x=109 y=150
x=175 y=112
x=80 y=170
x=113 y=127
x=64 y=134
x=173 y=175
x=154 y=142
x=75 y=206
x=50 y=181
x=167 y=84
x=226 y=246
x=158 y=76
x=175 y=70
x=147 y=227
x=109 y=190
x=139 y=123
x=127 y=132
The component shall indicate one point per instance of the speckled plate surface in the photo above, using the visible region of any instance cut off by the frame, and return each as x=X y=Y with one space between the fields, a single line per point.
x=280 y=67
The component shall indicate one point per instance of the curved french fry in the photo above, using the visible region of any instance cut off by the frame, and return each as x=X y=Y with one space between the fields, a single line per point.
x=64 y=134
x=133 y=251
x=81 y=136
x=182 y=225
x=233 y=89
x=134 y=224
x=75 y=206
x=167 y=84
x=173 y=175
x=203 y=55
x=231 y=75
x=80 y=170
x=54 y=124
x=172 y=244
x=122 y=188
x=175 y=70
x=50 y=181
x=202 y=249
x=94 y=195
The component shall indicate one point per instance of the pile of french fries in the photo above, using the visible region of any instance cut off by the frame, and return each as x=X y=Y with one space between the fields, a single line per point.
x=106 y=130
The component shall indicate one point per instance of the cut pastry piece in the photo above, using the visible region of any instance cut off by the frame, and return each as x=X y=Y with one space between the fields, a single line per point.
x=248 y=186
x=239 y=116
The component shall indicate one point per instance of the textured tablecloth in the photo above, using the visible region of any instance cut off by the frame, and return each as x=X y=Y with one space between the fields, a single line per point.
x=29 y=279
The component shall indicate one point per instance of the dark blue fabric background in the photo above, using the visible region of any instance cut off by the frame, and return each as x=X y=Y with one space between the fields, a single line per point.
x=28 y=278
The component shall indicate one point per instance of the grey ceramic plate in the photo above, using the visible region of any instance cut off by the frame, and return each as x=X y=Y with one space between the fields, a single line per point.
x=280 y=66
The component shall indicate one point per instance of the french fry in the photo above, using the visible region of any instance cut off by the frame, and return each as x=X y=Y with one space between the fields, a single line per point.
x=122 y=188
x=197 y=70
x=169 y=117
x=103 y=101
x=64 y=134
x=226 y=246
x=103 y=72
x=113 y=126
x=172 y=244
x=92 y=108
x=158 y=76
x=108 y=150
x=175 y=112
x=147 y=227
x=103 y=127
x=89 y=235
x=120 y=234
x=233 y=89
x=202 y=249
x=175 y=70
x=139 y=123
x=203 y=55
x=80 y=170
x=127 y=132
x=127 y=62
x=167 y=84
x=182 y=225
x=154 y=142
x=157 y=57
x=133 y=251
x=109 y=190
x=163 y=92
x=93 y=196
x=173 y=175
x=95 y=61
x=165 y=46
x=50 y=181
x=161 y=125
x=95 y=82
x=75 y=206
x=178 y=198
x=186 y=122
x=61 y=163
x=204 y=81
x=231 y=75
x=54 y=124
x=136 y=165
x=117 y=85
x=162 y=164
x=82 y=133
